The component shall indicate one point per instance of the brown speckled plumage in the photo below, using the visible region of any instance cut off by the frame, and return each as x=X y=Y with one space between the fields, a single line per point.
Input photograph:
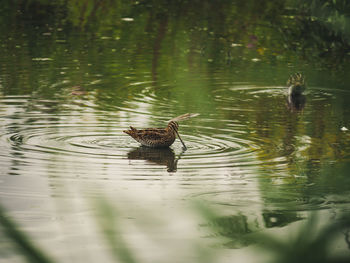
x=160 y=137
x=155 y=137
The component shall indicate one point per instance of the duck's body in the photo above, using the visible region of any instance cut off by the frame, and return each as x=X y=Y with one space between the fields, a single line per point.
x=296 y=85
x=160 y=137
x=155 y=137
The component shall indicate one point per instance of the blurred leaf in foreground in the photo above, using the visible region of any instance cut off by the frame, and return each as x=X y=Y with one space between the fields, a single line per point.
x=27 y=248
x=310 y=244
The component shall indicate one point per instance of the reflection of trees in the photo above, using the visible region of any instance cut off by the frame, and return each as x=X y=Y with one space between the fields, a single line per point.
x=173 y=36
x=278 y=130
x=263 y=28
x=302 y=160
x=323 y=27
x=347 y=237
x=157 y=44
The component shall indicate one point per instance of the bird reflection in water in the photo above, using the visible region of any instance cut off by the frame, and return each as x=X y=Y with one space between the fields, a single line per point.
x=296 y=103
x=161 y=156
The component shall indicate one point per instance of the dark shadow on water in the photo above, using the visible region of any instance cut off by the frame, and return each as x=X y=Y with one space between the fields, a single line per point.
x=239 y=229
x=161 y=156
x=279 y=218
x=296 y=103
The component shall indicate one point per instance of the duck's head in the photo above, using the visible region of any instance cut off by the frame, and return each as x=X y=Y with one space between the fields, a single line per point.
x=296 y=84
x=173 y=126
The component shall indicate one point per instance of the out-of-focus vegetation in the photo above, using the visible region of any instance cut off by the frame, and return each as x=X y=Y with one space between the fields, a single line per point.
x=311 y=242
x=23 y=244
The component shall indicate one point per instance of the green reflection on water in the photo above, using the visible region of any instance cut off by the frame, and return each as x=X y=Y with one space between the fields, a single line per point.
x=175 y=58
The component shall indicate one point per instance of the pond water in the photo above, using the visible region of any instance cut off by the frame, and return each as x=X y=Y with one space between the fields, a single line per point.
x=265 y=164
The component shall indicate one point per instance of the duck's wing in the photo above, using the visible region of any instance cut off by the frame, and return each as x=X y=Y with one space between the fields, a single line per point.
x=147 y=134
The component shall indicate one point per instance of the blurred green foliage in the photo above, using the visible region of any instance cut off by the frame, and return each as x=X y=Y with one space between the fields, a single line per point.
x=108 y=220
x=310 y=242
x=22 y=243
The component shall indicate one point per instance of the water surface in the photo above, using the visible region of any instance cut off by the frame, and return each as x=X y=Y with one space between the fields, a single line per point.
x=66 y=98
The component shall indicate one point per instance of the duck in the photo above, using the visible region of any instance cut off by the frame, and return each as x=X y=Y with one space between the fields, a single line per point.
x=296 y=85
x=160 y=137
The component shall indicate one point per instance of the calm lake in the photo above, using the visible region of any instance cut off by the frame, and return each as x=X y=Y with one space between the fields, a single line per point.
x=265 y=165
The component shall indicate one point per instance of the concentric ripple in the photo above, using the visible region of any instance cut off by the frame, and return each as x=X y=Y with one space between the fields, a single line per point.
x=245 y=148
x=84 y=139
x=76 y=150
x=226 y=142
x=211 y=152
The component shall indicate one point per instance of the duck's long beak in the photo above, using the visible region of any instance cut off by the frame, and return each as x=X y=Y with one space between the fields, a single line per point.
x=181 y=140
